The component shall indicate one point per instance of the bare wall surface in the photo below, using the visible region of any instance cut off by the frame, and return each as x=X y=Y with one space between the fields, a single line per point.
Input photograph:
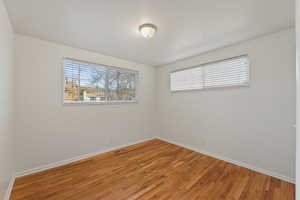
x=6 y=100
x=250 y=124
x=48 y=131
x=298 y=99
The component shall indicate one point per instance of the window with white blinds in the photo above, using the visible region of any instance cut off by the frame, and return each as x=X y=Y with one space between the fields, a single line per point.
x=92 y=83
x=225 y=73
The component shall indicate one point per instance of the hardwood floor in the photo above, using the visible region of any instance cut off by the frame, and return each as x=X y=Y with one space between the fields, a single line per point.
x=149 y=171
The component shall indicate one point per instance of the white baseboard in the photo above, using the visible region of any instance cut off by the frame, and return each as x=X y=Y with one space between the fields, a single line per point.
x=214 y=155
x=239 y=163
x=9 y=188
x=74 y=159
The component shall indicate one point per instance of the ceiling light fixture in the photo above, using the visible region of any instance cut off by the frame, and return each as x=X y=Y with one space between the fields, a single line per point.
x=148 y=30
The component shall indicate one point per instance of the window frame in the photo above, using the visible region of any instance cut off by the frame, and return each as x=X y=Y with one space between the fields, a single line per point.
x=212 y=88
x=135 y=100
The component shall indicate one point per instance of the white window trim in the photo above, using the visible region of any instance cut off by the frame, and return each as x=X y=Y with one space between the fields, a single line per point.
x=71 y=103
x=213 y=88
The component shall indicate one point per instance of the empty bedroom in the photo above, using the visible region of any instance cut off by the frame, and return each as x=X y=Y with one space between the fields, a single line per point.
x=149 y=100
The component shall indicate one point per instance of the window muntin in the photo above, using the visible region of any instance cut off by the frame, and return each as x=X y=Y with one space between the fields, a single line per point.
x=92 y=83
x=225 y=73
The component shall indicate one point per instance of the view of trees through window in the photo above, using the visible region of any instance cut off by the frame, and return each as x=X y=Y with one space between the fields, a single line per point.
x=85 y=82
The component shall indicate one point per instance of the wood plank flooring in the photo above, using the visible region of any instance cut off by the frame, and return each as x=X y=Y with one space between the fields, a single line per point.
x=153 y=170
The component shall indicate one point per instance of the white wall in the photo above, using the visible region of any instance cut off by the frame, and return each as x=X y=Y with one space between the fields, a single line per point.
x=253 y=125
x=298 y=99
x=48 y=131
x=6 y=100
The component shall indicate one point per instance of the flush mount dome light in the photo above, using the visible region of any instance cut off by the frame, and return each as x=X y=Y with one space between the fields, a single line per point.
x=148 y=30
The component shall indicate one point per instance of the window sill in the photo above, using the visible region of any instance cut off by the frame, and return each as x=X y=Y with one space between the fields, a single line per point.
x=70 y=103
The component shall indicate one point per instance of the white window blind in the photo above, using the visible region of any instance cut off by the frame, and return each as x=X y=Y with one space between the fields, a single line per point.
x=226 y=73
x=93 y=83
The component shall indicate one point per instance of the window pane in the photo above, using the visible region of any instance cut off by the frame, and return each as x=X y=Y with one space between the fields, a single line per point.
x=189 y=79
x=227 y=73
x=92 y=83
x=85 y=82
x=112 y=85
x=230 y=72
x=71 y=91
x=126 y=90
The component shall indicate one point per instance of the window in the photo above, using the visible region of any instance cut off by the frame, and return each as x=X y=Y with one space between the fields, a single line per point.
x=93 y=83
x=226 y=73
